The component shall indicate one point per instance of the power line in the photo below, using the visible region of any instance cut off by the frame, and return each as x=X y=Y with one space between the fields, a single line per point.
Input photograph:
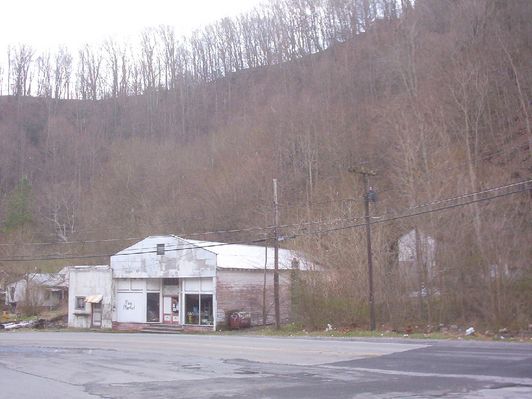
x=229 y=231
x=262 y=228
x=22 y=258
x=452 y=167
x=320 y=203
x=375 y=220
x=378 y=220
x=435 y=202
x=183 y=234
x=488 y=190
x=139 y=238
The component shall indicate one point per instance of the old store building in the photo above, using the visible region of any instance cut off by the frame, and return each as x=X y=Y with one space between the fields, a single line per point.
x=188 y=283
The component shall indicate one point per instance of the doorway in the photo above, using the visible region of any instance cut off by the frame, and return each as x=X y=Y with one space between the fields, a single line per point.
x=96 y=318
x=152 y=307
x=171 y=309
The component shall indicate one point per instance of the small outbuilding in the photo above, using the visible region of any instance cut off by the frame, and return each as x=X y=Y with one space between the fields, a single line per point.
x=38 y=290
x=90 y=301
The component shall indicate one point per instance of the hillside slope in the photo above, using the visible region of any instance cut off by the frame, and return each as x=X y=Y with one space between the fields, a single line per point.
x=437 y=102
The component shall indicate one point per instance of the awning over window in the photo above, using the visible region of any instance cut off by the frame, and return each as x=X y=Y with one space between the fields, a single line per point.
x=94 y=298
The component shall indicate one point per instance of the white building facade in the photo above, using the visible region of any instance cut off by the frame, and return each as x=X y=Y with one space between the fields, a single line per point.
x=90 y=300
x=170 y=280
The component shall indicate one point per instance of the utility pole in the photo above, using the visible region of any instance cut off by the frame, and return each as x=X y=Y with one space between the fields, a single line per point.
x=264 y=281
x=276 y=256
x=369 y=195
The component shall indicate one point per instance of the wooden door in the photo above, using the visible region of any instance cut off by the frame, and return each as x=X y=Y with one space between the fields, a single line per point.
x=96 y=318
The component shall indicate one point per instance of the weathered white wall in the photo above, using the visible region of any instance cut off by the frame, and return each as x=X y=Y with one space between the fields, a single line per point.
x=130 y=298
x=19 y=291
x=86 y=281
x=131 y=307
x=407 y=257
x=407 y=247
x=141 y=260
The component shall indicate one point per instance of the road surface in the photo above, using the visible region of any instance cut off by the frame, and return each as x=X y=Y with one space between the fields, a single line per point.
x=98 y=365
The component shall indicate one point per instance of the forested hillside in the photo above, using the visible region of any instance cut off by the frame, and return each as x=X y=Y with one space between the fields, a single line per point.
x=184 y=136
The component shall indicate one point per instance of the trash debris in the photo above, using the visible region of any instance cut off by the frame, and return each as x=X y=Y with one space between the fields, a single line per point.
x=38 y=323
x=470 y=331
x=329 y=328
x=239 y=320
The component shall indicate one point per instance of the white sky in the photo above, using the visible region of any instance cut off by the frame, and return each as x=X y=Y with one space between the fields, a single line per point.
x=48 y=24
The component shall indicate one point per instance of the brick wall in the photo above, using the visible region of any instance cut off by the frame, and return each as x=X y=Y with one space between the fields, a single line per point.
x=242 y=290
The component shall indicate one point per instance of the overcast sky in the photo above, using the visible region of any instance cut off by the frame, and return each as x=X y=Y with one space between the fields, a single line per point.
x=48 y=24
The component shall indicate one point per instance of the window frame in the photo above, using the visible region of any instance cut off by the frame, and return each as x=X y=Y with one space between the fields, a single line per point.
x=80 y=300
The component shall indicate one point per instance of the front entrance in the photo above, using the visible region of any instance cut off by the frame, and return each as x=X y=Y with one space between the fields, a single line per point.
x=152 y=307
x=96 y=318
x=171 y=309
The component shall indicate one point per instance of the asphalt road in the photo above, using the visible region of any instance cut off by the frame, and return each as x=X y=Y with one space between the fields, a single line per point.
x=98 y=365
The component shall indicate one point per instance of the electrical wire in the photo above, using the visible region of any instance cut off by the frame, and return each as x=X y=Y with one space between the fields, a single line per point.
x=22 y=258
x=283 y=226
x=378 y=220
x=375 y=220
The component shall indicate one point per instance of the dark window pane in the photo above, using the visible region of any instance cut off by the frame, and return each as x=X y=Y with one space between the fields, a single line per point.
x=206 y=310
x=171 y=281
x=80 y=303
x=191 y=309
x=152 y=307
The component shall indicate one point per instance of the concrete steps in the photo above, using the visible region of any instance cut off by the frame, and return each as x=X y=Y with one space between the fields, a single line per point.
x=161 y=328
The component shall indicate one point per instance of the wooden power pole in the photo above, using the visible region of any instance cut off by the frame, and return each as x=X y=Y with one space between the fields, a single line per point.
x=367 y=198
x=276 y=256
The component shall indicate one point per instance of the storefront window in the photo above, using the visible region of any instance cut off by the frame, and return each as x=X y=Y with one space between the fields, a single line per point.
x=198 y=309
x=191 y=309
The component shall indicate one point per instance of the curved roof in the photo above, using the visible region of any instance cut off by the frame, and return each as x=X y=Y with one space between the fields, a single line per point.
x=240 y=256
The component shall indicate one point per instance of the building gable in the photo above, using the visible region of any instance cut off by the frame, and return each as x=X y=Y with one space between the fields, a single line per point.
x=163 y=257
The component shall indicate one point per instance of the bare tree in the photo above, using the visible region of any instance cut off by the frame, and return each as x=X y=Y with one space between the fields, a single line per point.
x=20 y=62
x=62 y=74
x=89 y=73
x=44 y=76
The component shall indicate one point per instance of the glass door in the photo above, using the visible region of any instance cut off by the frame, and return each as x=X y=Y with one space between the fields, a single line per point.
x=171 y=309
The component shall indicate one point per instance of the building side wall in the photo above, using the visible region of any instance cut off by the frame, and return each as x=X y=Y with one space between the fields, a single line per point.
x=86 y=282
x=243 y=290
x=19 y=291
